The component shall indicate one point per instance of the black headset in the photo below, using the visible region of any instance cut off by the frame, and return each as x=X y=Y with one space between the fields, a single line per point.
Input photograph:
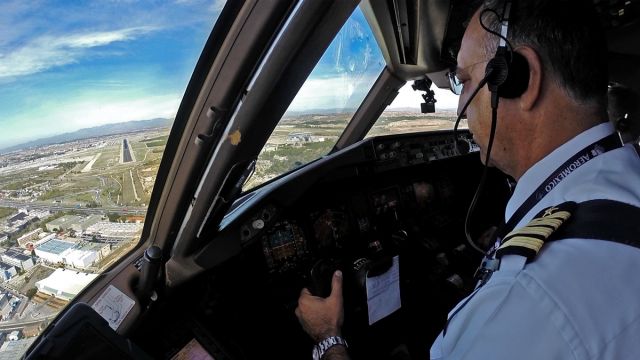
x=508 y=71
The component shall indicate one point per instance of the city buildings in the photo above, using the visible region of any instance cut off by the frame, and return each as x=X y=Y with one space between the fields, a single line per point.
x=110 y=232
x=18 y=258
x=4 y=299
x=85 y=254
x=80 y=255
x=7 y=271
x=64 y=283
x=15 y=349
x=51 y=250
x=27 y=238
x=73 y=222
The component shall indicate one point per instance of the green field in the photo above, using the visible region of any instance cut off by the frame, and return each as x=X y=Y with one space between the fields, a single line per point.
x=139 y=189
x=52 y=194
x=17 y=185
x=73 y=188
x=115 y=192
x=128 y=193
x=32 y=177
x=128 y=197
x=139 y=150
x=84 y=198
x=156 y=143
x=110 y=157
x=5 y=212
x=153 y=158
x=162 y=138
x=109 y=192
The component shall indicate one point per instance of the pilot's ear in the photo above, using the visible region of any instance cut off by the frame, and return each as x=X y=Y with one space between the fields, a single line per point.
x=534 y=89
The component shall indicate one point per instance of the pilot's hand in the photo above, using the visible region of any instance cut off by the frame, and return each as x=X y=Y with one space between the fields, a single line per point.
x=322 y=317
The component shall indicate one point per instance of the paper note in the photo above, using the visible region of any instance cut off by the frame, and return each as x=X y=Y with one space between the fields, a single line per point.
x=383 y=293
x=113 y=305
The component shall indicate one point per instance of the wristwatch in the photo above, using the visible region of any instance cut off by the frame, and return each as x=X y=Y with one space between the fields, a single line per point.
x=321 y=348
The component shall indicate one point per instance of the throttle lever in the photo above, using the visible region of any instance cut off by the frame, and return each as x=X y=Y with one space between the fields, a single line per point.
x=322 y=275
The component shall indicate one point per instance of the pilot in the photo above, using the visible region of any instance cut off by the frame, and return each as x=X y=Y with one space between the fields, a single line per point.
x=575 y=298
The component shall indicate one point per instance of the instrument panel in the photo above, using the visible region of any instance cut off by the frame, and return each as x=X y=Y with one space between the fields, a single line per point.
x=360 y=223
x=409 y=193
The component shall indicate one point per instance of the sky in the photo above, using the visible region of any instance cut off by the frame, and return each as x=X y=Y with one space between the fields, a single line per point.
x=66 y=65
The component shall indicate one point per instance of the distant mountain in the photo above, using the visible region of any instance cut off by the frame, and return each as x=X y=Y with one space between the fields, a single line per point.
x=417 y=109
x=291 y=113
x=103 y=130
x=320 y=111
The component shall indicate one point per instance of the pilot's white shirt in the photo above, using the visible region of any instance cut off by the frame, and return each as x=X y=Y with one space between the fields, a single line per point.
x=580 y=298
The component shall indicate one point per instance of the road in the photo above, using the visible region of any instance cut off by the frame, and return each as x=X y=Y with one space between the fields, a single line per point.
x=40 y=205
x=20 y=324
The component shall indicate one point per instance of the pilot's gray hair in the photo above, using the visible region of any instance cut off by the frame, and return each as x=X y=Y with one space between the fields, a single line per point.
x=566 y=34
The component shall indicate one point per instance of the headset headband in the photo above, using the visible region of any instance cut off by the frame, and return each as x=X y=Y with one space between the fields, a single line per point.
x=504 y=31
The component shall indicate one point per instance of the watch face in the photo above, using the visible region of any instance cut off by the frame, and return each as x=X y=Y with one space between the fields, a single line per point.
x=316 y=353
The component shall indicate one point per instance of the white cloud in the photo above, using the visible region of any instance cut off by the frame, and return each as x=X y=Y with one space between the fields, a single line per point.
x=102 y=38
x=47 y=52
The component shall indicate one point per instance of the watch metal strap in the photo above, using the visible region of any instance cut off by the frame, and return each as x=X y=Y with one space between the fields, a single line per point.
x=321 y=348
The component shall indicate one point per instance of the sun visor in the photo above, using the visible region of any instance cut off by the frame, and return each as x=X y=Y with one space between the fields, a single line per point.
x=411 y=35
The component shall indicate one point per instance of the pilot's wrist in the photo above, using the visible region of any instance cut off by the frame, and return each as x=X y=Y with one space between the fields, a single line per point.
x=333 y=347
x=319 y=336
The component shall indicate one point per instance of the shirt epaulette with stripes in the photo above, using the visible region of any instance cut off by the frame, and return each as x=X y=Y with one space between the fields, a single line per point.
x=529 y=239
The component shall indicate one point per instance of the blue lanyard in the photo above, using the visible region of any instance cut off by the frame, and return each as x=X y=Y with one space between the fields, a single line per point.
x=583 y=156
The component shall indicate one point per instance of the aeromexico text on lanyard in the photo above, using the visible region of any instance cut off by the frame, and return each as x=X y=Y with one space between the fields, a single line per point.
x=590 y=152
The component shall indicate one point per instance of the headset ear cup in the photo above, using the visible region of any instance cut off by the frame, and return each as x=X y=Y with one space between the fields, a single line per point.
x=497 y=72
x=517 y=79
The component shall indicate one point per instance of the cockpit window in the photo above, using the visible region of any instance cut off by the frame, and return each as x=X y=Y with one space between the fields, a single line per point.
x=88 y=94
x=404 y=116
x=325 y=103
